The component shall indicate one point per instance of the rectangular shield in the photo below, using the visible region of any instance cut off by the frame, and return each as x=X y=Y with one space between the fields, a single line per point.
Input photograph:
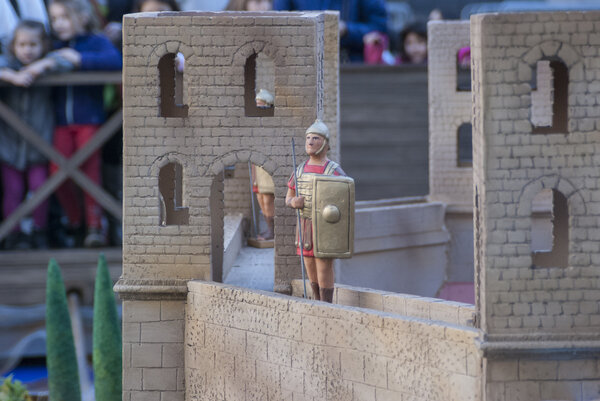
x=333 y=216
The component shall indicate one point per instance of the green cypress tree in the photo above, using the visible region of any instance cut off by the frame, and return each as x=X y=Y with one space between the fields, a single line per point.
x=107 y=338
x=63 y=378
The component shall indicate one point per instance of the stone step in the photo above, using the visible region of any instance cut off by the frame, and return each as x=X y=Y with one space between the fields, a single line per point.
x=233 y=240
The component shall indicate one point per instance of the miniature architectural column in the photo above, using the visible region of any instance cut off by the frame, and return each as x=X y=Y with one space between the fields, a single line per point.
x=450 y=180
x=540 y=320
x=194 y=143
x=450 y=154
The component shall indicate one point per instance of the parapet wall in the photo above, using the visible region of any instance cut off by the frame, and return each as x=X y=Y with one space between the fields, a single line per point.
x=243 y=344
x=440 y=310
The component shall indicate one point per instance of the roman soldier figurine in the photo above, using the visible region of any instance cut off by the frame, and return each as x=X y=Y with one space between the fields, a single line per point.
x=262 y=183
x=325 y=199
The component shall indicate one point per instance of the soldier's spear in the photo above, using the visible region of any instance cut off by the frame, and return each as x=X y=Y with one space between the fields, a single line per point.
x=252 y=201
x=301 y=245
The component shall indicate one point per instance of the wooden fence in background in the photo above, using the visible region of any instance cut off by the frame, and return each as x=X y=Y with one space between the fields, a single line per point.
x=68 y=168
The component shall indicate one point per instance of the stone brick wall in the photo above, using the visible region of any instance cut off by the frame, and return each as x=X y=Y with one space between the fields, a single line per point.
x=236 y=192
x=153 y=350
x=448 y=110
x=216 y=132
x=243 y=344
x=530 y=378
x=512 y=166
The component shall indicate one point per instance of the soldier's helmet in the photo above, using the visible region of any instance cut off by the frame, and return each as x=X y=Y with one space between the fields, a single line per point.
x=265 y=96
x=319 y=128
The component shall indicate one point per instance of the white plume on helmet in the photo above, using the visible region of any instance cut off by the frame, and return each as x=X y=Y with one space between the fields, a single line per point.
x=265 y=96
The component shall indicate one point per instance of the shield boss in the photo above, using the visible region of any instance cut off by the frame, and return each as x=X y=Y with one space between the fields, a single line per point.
x=333 y=216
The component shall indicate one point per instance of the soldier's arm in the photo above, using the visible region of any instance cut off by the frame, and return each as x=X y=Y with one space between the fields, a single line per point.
x=293 y=201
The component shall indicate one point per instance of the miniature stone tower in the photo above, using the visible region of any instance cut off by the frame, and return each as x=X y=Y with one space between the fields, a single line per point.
x=538 y=309
x=450 y=154
x=450 y=176
x=180 y=130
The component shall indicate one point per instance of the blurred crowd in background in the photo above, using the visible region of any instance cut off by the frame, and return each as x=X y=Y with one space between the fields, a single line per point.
x=42 y=36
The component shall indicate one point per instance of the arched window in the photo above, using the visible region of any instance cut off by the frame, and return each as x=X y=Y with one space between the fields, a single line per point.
x=463 y=69
x=259 y=76
x=170 y=186
x=550 y=251
x=550 y=97
x=464 y=147
x=170 y=72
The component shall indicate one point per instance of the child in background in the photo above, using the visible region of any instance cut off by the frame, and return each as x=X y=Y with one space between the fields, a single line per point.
x=376 y=50
x=413 y=44
x=79 y=109
x=22 y=166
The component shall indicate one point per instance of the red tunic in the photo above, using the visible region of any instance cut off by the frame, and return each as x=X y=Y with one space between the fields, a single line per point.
x=311 y=168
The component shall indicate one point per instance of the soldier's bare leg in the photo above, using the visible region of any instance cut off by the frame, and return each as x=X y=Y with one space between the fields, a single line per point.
x=326 y=281
x=269 y=213
x=324 y=272
x=260 y=199
x=311 y=270
x=267 y=206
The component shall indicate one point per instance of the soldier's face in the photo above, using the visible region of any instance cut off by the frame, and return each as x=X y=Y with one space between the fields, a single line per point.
x=314 y=142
